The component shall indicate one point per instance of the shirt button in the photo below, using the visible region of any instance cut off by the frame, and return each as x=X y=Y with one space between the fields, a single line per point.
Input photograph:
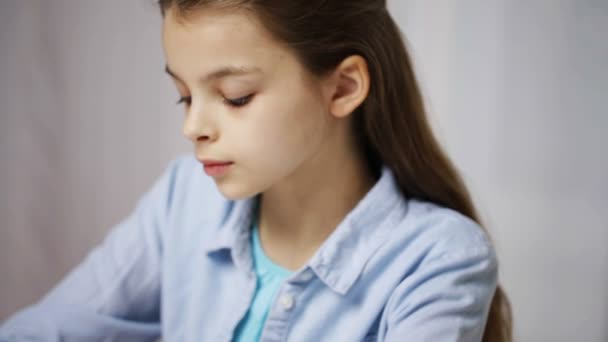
x=287 y=301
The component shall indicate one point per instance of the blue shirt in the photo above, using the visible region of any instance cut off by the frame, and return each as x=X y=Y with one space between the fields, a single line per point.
x=269 y=277
x=394 y=269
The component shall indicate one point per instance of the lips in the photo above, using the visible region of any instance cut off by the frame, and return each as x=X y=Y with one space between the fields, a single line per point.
x=213 y=162
x=216 y=168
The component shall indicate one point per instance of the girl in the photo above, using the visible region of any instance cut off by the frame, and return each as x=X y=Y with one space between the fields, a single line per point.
x=326 y=210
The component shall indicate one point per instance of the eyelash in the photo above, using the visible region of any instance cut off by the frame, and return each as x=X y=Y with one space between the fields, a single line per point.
x=240 y=102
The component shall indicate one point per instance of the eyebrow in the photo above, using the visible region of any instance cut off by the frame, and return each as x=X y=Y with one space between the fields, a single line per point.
x=219 y=73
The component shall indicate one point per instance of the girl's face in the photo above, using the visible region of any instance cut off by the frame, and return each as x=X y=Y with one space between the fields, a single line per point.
x=247 y=100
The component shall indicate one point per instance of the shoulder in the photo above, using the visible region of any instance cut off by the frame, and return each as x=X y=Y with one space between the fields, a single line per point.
x=180 y=171
x=447 y=273
x=187 y=187
x=434 y=232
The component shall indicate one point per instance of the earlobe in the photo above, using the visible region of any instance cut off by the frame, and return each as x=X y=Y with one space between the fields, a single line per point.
x=351 y=86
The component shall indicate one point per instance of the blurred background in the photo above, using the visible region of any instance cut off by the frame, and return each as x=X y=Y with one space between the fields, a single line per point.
x=516 y=91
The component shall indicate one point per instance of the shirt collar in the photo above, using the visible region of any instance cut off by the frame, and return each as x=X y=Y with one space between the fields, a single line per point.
x=340 y=259
x=233 y=234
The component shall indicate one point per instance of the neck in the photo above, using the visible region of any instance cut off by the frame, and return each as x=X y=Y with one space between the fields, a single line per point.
x=299 y=213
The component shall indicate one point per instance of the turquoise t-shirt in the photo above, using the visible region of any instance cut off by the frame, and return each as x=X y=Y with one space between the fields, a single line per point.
x=269 y=279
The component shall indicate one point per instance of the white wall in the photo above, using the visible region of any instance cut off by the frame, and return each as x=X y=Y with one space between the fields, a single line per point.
x=87 y=122
x=517 y=91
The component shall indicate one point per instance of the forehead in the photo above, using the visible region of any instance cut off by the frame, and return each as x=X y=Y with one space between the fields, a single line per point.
x=211 y=36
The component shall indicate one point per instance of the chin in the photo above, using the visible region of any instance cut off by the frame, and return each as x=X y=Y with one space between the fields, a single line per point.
x=235 y=192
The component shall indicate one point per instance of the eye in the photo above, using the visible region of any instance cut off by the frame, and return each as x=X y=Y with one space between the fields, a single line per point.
x=240 y=102
x=185 y=99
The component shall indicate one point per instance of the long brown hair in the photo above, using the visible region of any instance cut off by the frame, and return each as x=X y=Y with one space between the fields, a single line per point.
x=391 y=124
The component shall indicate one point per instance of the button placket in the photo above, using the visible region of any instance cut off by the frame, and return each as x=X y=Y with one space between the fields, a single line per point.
x=287 y=301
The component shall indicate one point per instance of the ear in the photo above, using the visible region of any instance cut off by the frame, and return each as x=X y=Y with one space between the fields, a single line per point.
x=350 y=86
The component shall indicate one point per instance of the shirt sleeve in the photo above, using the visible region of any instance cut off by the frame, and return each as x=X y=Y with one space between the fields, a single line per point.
x=114 y=293
x=446 y=299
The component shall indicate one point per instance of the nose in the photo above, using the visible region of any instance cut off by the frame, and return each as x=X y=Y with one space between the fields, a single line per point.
x=198 y=128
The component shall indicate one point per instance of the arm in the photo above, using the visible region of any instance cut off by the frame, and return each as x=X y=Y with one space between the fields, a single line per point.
x=446 y=299
x=114 y=293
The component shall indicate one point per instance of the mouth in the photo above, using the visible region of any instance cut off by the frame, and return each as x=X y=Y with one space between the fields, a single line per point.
x=216 y=168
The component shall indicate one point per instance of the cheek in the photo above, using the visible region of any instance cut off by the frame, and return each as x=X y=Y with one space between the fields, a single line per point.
x=291 y=132
x=271 y=147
